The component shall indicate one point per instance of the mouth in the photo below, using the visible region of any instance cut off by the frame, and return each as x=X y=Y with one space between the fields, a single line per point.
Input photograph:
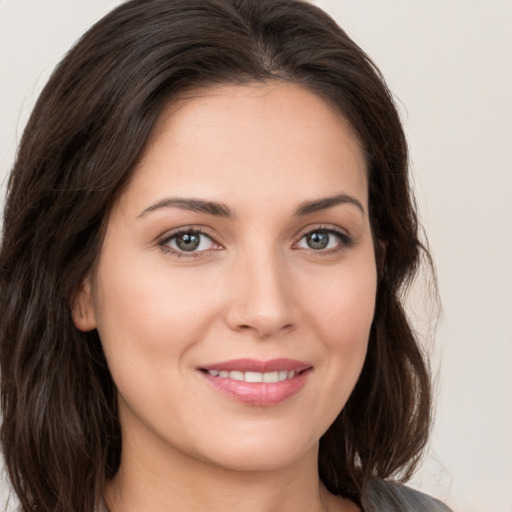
x=269 y=377
x=260 y=383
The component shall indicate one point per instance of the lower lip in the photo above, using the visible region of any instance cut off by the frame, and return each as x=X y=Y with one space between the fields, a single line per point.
x=261 y=394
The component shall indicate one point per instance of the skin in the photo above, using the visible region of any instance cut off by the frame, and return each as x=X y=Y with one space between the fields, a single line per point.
x=255 y=288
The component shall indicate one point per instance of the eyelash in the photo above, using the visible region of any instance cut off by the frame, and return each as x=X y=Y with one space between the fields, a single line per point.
x=163 y=243
x=346 y=241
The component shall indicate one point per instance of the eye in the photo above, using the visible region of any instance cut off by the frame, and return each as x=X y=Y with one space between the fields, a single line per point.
x=324 y=239
x=189 y=241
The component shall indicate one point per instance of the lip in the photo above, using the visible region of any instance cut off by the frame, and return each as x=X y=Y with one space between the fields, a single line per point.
x=255 y=365
x=260 y=394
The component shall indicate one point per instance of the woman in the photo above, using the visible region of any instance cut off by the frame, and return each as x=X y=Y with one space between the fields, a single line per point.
x=207 y=232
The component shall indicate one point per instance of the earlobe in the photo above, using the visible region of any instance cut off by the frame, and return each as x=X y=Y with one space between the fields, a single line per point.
x=82 y=309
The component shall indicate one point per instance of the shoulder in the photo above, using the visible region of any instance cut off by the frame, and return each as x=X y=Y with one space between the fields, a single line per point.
x=382 y=496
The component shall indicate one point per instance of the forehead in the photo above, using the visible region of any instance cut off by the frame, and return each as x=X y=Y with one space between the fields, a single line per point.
x=268 y=141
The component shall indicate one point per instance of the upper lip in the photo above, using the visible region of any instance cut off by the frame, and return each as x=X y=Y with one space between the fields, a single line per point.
x=255 y=365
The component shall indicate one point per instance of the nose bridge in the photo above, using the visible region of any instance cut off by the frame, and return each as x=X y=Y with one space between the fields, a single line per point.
x=261 y=298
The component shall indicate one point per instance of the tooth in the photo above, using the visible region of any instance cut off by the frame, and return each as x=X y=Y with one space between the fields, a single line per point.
x=253 y=377
x=268 y=377
x=271 y=377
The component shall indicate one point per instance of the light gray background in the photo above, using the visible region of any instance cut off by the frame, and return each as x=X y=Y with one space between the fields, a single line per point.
x=449 y=63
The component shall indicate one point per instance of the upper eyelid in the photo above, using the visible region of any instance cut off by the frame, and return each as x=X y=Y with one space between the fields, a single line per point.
x=206 y=231
x=168 y=235
x=323 y=227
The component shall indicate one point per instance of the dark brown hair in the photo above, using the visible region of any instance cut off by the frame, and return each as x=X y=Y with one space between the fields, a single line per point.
x=60 y=432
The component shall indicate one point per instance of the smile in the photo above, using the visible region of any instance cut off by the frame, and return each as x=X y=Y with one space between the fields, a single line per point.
x=276 y=376
x=258 y=383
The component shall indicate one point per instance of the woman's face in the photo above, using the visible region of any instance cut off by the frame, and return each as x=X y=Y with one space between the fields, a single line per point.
x=235 y=287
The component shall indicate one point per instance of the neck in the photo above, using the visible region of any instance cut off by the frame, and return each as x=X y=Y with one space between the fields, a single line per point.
x=182 y=483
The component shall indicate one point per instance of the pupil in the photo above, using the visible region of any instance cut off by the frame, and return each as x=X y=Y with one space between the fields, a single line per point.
x=318 y=240
x=188 y=241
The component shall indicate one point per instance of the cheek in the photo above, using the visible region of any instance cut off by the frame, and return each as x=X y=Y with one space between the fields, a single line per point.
x=341 y=310
x=146 y=317
x=339 y=314
x=343 y=305
x=149 y=325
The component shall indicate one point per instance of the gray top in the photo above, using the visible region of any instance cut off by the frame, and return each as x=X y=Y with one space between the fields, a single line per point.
x=381 y=496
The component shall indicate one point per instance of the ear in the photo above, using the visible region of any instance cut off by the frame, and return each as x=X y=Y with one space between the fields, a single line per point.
x=82 y=307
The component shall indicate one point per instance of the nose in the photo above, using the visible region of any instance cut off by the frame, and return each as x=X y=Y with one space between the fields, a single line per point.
x=261 y=298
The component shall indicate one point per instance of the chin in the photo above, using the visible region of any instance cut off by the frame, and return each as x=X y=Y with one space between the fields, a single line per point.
x=261 y=453
x=258 y=461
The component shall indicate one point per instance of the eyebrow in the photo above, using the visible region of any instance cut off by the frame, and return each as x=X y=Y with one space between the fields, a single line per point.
x=309 y=207
x=221 y=210
x=195 y=205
